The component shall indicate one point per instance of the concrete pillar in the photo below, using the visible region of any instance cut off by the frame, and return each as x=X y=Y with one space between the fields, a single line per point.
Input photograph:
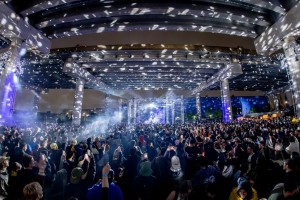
x=36 y=101
x=134 y=110
x=137 y=111
x=292 y=54
x=182 y=109
x=120 y=105
x=167 y=110
x=226 y=101
x=276 y=102
x=173 y=111
x=106 y=106
x=198 y=106
x=129 y=111
x=77 y=108
x=9 y=80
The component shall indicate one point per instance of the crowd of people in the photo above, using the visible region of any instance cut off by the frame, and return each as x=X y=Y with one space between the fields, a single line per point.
x=241 y=160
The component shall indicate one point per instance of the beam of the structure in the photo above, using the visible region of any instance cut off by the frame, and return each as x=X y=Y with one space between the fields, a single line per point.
x=229 y=71
x=73 y=69
x=272 y=38
x=49 y=4
x=265 y=5
x=203 y=11
x=45 y=5
x=66 y=31
x=13 y=26
x=279 y=90
x=202 y=86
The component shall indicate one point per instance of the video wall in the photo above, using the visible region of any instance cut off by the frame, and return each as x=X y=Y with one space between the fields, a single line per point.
x=211 y=107
x=151 y=113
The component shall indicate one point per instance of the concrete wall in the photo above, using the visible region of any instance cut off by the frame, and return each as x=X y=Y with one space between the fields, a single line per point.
x=24 y=100
x=154 y=37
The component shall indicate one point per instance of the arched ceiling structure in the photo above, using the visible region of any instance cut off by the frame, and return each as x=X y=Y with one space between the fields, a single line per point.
x=60 y=18
x=153 y=65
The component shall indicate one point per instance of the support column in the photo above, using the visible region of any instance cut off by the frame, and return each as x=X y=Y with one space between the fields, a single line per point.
x=120 y=105
x=226 y=101
x=129 y=111
x=182 y=109
x=292 y=53
x=276 y=102
x=137 y=111
x=198 y=106
x=120 y=110
x=173 y=112
x=36 y=101
x=167 y=110
x=134 y=110
x=9 y=80
x=78 y=102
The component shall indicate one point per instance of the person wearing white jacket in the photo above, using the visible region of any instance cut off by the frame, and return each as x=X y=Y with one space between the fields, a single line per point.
x=294 y=145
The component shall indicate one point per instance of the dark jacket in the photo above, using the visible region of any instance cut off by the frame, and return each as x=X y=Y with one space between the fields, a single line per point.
x=145 y=187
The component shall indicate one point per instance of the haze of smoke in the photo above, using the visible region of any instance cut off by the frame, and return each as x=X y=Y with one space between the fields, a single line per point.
x=101 y=125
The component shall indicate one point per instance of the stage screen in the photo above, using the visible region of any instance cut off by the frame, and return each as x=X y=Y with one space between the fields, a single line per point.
x=246 y=105
x=151 y=113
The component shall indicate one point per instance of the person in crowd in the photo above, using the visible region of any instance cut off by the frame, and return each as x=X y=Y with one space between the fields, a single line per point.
x=212 y=192
x=239 y=152
x=191 y=152
x=263 y=150
x=105 y=182
x=105 y=158
x=55 y=157
x=184 y=192
x=293 y=146
x=270 y=144
x=145 y=184
x=229 y=150
x=252 y=158
x=72 y=153
x=114 y=191
x=161 y=170
x=117 y=159
x=4 y=176
x=278 y=148
x=76 y=187
x=43 y=147
x=286 y=190
x=291 y=168
x=130 y=171
x=207 y=174
x=19 y=152
x=244 y=191
x=13 y=179
x=176 y=175
x=31 y=172
x=33 y=191
x=58 y=186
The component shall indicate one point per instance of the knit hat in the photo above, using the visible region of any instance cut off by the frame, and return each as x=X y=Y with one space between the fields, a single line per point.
x=76 y=174
x=175 y=164
x=145 y=169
